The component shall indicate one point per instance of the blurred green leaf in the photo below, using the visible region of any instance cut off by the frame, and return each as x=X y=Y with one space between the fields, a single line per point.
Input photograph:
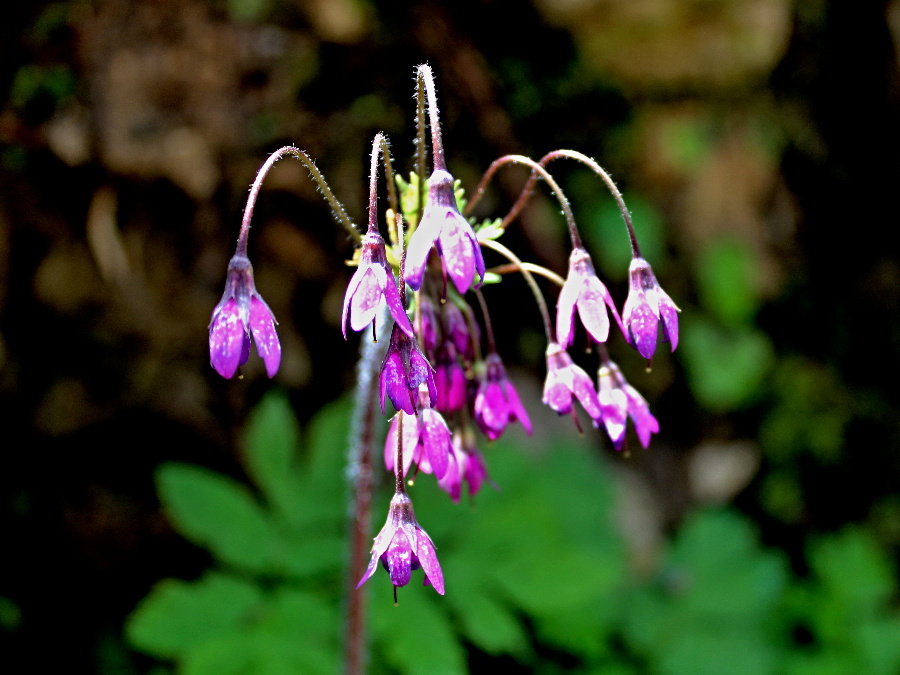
x=218 y=513
x=177 y=616
x=272 y=446
x=726 y=369
x=415 y=637
x=726 y=273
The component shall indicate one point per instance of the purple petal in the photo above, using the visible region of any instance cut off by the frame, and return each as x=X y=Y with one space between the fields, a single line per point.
x=419 y=247
x=398 y=559
x=592 y=302
x=395 y=384
x=583 y=388
x=262 y=325
x=643 y=329
x=565 y=311
x=226 y=339
x=517 y=410
x=457 y=244
x=367 y=297
x=436 y=441
x=428 y=559
x=669 y=313
x=398 y=311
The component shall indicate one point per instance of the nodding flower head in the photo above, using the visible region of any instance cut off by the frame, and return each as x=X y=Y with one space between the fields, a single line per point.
x=646 y=305
x=241 y=313
x=564 y=381
x=467 y=466
x=427 y=442
x=586 y=293
x=371 y=284
x=405 y=368
x=619 y=401
x=402 y=546
x=444 y=226
x=497 y=404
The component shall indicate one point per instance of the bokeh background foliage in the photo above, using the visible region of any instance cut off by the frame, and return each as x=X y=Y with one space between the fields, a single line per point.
x=158 y=518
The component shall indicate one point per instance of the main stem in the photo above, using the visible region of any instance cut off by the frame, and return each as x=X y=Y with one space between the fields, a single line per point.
x=361 y=477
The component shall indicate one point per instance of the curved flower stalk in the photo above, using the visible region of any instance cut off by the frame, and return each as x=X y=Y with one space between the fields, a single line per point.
x=373 y=282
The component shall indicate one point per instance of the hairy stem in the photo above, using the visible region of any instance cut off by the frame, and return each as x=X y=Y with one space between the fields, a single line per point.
x=536 y=170
x=337 y=209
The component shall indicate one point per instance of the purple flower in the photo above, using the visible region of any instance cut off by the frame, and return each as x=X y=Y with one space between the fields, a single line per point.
x=450 y=381
x=458 y=331
x=426 y=442
x=240 y=313
x=497 y=404
x=371 y=284
x=444 y=226
x=428 y=324
x=402 y=546
x=467 y=466
x=405 y=368
x=645 y=305
x=619 y=401
x=586 y=293
x=565 y=380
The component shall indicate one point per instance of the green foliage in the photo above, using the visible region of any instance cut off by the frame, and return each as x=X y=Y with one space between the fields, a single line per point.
x=537 y=567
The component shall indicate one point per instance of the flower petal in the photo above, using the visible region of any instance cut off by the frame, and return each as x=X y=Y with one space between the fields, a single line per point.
x=226 y=339
x=262 y=324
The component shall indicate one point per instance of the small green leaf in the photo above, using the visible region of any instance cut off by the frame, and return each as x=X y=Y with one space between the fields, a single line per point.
x=177 y=616
x=490 y=229
x=218 y=513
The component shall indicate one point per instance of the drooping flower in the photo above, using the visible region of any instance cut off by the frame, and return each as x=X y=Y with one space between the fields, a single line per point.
x=646 y=305
x=442 y=225
x=241 y=313
x=427 y=442
x=371 y=284
x=566 y=380
x=497 y=404
x=405 y=368
x=402 y=546
x=428 y=324
x=467 y=466
x=619 y=400
x=458 y=330
x=450 y=380
x=583 y=291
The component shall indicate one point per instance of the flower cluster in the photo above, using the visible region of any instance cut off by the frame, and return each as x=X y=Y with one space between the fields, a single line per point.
x=441 y=370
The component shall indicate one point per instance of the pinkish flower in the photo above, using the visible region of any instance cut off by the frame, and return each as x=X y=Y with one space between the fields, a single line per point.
x=442 y=225
x=405 y=368
x=426 y=442
x=619 y=400
x=565 y=380
x=647 y=303
x=450 y=381
x=241 y=313
x=497 y=404
x=586 y=293
x=371 y=284
x=467 y=466
x=402 y=546
x=459 y=331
